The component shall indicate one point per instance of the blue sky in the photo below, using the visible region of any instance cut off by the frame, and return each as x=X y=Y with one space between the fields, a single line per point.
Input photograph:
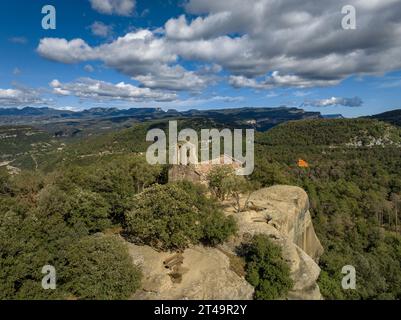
x=199 y=54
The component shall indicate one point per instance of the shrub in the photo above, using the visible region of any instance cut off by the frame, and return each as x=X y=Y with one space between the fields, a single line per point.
x=87 y=267
x=80 y=208
x=99 y=267
x=173 y=216
x=266 y=270
x=4 y=182
x=26 y=245
x=217 y=228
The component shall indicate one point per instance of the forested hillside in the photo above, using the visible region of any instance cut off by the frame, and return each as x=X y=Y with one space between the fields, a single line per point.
x=354 y=184
x=78 y=197
x=393 y=117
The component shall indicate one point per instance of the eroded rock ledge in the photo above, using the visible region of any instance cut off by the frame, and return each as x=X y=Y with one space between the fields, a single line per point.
x=281 y=212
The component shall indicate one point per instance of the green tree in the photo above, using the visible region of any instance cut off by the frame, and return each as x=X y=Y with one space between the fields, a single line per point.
x=173 y=216
x=27 y=243
x=99 y=267
x=4 y=182
x=238 y=186
x=266 y=269
x=217 y=180
x=225 y=183
x=143 y=174
x=78 y=207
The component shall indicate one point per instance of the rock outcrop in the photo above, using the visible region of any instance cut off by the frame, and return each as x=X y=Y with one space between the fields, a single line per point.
x=281 y=212
x=288 y=209
x=205 y=274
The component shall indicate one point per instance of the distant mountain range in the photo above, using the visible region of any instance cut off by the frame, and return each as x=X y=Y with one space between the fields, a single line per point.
x=66 y=114
x=258 y=118
x=86 y=122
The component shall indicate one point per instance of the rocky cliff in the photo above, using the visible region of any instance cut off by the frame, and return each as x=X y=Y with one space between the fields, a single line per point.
x=281 y=212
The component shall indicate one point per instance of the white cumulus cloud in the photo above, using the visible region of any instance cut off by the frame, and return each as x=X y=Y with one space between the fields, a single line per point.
x=20 y=96
x=117 y=7
x=88 y=88
x=261 y=44
x=101 y=30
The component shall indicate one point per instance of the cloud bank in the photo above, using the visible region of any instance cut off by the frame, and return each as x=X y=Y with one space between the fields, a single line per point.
x=87 y=88
x=256 y=44
x=20 y=96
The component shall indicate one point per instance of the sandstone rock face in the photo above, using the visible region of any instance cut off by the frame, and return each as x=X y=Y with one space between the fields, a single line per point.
x=289 y=209
x=206 y=275
x=282 y=213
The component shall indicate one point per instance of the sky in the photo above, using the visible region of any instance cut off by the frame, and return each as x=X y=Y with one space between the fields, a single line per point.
x=202 y=54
